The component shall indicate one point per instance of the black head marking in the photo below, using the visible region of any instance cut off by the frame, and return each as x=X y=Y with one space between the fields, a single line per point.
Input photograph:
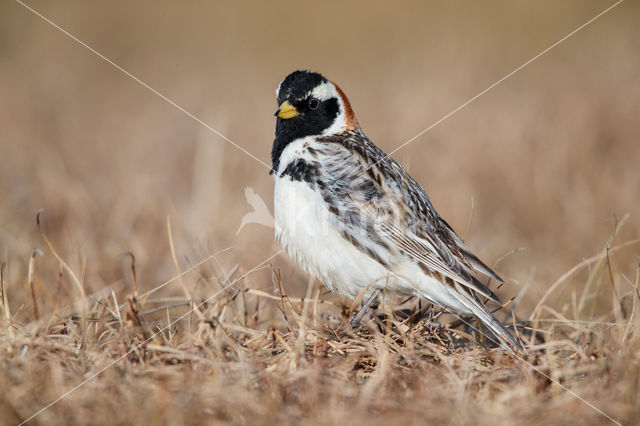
x=314 y=115
x=298 y=84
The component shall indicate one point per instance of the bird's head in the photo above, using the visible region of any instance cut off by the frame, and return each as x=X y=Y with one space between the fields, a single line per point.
x=309 y=105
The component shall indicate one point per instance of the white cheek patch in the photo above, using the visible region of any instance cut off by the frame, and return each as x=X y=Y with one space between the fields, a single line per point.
x=278 y=89
x=339 y=124
x=324 y=91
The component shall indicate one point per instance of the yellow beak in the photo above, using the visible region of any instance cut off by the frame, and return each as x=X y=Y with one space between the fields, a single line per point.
x=286 y=111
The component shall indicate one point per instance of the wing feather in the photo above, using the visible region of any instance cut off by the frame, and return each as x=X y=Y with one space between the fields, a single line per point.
x=401 y=209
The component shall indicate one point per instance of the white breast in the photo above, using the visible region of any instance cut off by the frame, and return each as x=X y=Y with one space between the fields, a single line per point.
x=304 y=229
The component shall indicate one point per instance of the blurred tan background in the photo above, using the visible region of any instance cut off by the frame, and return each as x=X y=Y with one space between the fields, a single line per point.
x=548 y=159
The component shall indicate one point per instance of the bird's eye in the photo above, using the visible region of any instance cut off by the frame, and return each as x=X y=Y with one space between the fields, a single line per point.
x=313 y=103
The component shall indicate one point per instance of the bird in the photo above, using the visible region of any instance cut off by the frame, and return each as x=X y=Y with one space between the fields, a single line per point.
x=354 y=219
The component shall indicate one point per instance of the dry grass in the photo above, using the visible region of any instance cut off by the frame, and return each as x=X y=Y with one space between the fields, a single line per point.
x=546 y=161
x=245 y=356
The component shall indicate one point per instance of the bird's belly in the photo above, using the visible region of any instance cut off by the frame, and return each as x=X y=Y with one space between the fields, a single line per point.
x=304 y=229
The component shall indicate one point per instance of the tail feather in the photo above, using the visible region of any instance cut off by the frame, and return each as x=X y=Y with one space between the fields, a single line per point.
x=505 y=338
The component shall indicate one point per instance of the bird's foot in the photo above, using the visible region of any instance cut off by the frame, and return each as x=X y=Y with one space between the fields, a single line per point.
x=355 y=320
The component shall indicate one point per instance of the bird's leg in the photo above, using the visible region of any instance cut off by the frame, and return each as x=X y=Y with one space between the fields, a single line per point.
x=355 y=320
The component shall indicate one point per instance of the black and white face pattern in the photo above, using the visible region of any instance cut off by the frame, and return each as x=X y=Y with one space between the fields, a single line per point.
x=314 y=107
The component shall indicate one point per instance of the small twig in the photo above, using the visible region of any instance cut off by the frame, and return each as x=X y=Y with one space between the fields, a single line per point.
x=281 y=340
x=597 y=276
x=133 y=270
x=133 y=311
x=75 y=279
x=234 y=308
x=117 y=309
x=305 y=307
x=175 y=260
x=56 y=306
x=613 y=284
x=286 y=304
x=32 y=259
x=507 y=254
x=101 y=319
x=316 y=298
x=5 y=302
x=633 y=309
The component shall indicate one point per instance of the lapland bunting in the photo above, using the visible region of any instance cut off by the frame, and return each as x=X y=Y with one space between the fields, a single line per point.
x=354 y=219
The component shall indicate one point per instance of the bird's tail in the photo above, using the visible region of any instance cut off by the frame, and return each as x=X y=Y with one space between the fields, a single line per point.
x=476 y=307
